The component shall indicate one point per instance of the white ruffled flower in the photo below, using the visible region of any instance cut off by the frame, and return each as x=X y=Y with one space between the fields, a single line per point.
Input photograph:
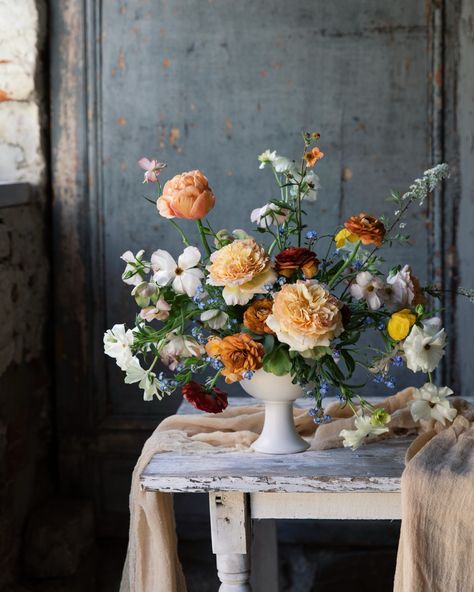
x=179 y=347
x=214 y=319
x=369 y=288
x=185 y=277
x=424 y=346
x=269 y=214
x=117 y=344
x=430 y=402
x=159 y=311
x=365 y=426
x=135 y=268
x=146 y=379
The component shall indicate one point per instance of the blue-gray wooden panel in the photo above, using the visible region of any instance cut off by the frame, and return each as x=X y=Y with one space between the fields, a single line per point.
x=212 y=84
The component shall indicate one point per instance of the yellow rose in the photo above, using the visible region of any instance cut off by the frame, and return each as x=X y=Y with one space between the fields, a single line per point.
x=344 y=236
x=243 y=268
x=305 y=315
x=400 y=324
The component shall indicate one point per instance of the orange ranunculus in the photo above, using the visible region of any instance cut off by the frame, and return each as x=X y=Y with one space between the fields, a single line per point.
x=238 y=353
x=313 y=156
x=187 y=195
x=294 y=258
x=369 y=229
x=256 y=314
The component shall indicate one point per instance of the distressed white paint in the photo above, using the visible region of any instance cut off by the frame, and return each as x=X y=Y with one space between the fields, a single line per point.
x=230 y=531
x=21 y=158
x=374 y=467
x=18 y=47
x=323 y=506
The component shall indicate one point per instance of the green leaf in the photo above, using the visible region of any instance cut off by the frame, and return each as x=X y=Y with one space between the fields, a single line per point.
x=268 y=343
x=277 y=362
x=348 y=360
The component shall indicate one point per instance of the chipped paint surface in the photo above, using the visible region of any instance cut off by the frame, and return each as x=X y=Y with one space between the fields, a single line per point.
x=21 y=157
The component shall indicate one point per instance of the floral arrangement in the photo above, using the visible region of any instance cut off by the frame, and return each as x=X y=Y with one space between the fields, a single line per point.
x=295 y=303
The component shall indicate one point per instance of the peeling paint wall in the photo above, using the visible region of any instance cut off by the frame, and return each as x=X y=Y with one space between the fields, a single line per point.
x=25 y=410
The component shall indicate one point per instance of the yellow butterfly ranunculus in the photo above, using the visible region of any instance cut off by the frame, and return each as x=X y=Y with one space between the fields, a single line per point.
x=400 y=323
x=344 y=236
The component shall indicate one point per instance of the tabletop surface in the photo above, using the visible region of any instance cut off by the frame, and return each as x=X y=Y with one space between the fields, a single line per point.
x=374 y=467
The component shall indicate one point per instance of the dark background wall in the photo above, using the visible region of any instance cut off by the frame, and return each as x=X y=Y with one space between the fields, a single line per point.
x=202 y=84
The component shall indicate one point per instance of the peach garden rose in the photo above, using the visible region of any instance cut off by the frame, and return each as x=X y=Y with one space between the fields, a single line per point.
x=305 y=315
x=243 y=268
x=187 y=195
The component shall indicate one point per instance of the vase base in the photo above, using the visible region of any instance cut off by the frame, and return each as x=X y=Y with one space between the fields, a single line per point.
x=270 y=447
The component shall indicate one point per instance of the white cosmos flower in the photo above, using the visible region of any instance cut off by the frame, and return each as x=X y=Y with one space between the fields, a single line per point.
x=368 y=287
x=179 y=347
x=131 y=275
x=430 y=401
x=214 y=319
x=117 y=343
x=185 y=277
x=424 y=346
x=145 y=378
x=269 y=214
x=364 y=427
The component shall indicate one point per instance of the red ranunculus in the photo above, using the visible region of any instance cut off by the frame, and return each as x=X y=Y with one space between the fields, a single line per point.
x=199 y=397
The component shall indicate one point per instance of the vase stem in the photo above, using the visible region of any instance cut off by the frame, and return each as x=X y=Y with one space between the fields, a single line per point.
x=279 y=435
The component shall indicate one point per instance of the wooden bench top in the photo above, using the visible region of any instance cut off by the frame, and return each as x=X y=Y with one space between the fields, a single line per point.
x=374 y=468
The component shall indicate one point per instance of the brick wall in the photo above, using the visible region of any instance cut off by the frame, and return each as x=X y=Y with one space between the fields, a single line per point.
x=25 y=411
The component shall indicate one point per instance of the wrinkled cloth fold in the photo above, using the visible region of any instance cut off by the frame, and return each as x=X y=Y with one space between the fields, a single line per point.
x=152 y=562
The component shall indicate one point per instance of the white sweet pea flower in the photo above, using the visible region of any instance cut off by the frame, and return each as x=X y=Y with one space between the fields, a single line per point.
x=369 y=288
x=117 y=343
x=159 y=312
x=429 y=402
x=269 y=214
x=400 y=290
x=179 y=347
x=365 y=426
x=424 y=346
x=310 y=188
x=281 y=164
x=214 y=319
x=266 y=158
x=145 y=378
x=185 y=277
x=135 y=269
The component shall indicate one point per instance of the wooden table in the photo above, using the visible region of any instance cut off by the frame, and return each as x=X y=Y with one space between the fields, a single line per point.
x=248 y=491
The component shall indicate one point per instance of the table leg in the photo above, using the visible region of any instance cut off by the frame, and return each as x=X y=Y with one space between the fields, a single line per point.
x=230 y=530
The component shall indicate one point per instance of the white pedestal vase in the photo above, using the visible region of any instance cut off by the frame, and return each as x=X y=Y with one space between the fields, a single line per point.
x=279 y=435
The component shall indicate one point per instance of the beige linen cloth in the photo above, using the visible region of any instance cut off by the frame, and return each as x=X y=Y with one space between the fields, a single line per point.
x=436 y=550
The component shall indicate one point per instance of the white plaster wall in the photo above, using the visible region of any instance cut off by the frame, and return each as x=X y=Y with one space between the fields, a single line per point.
x=21 y=159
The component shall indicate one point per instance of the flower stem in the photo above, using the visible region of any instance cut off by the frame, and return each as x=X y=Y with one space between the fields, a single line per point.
x=346 y=264
x=183 y=236
x=202 y=234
